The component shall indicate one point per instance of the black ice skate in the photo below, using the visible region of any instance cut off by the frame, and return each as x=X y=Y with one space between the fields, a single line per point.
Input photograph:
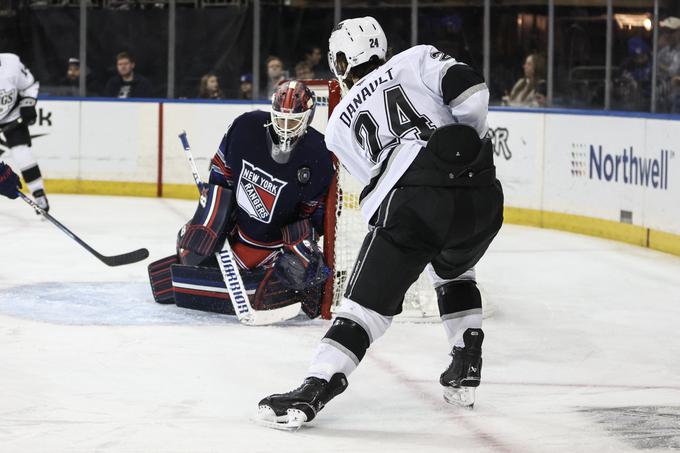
x=463 y=375
x=290 y=410
x=41 y=200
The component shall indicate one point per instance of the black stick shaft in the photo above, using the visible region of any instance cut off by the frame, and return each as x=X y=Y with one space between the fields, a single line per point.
x=117 y=260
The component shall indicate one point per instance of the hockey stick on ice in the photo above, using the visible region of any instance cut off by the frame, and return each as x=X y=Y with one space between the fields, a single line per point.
x=116 y=260
x=232 y=277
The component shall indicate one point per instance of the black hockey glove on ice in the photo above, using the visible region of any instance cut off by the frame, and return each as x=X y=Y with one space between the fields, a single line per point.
x=9 y=182
x=27 y=111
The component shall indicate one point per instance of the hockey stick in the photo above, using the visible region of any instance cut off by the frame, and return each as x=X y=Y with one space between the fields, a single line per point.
x=116 y=260
x=232 y=277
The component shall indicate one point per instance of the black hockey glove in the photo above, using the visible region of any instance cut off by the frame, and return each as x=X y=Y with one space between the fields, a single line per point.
x=27 y=111
x=9 y=182
x=301 y=265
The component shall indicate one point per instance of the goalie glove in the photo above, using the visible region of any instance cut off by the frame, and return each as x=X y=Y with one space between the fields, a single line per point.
x=301 y=265
x=207 y=230
x=9 y=182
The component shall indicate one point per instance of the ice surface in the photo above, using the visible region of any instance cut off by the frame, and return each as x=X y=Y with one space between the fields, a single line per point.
x=581 y=353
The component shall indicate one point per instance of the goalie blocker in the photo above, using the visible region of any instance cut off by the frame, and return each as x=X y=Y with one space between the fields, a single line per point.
x=191 y=278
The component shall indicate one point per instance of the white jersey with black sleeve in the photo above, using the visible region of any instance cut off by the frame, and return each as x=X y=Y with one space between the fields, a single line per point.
x=16 y=84
x=384 y=121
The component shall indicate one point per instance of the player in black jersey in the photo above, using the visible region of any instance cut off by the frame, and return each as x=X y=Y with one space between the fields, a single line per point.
x=268 y=184
x=413 y=130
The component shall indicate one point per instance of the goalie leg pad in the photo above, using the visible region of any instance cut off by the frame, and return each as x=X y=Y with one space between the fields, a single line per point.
x=200 y=288
x=203 y=288
x=161 y=280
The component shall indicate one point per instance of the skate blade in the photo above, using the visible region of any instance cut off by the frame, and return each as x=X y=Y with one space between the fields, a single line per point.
x=460 y=396
x=292 y=421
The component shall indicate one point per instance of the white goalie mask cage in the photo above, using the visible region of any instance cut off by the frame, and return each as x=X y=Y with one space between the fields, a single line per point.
x=292 y=111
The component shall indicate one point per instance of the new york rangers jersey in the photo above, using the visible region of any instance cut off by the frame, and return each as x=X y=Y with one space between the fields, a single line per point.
x=384 y=121
x=270 y=195
x=16 y=83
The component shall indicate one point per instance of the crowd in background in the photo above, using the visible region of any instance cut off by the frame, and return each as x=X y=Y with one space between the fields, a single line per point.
x=293 y=45
x=128 y=82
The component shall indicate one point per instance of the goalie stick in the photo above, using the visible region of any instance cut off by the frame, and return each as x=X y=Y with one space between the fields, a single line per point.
x=116 y=260
x=232 y=277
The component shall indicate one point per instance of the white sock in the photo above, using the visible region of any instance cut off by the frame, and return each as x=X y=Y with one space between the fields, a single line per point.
x=456 y=326
x=23 y=157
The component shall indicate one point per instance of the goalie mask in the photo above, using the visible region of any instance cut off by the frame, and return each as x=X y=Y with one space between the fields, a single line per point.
x=292 y=111
x=354 y=42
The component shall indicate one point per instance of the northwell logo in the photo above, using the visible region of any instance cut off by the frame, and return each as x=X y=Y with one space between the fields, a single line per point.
x=625 y=167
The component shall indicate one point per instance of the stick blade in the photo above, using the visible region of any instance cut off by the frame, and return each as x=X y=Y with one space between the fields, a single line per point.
x=266 y=317
x=126 y=258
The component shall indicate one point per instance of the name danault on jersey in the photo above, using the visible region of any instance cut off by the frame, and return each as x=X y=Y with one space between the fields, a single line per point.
x=364 y=94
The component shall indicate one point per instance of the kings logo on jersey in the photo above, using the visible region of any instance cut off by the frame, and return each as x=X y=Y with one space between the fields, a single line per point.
x=7 y=100
x=258 y=192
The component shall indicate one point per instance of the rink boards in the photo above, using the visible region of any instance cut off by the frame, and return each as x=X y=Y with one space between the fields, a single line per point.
x=612 y=175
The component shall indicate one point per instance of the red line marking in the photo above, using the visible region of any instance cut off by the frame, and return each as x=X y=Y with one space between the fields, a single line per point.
x=419 y=387
x=159 y=181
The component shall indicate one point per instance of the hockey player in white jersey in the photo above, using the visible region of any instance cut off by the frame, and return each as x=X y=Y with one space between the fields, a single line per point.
x=18 y=95
x=413 y=130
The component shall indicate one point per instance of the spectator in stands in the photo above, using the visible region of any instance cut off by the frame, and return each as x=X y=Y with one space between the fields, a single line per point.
x=246 y=87
x=69 y=85
x=523 y=93
x=674 y=73
x=312 y=56
x=275 y=73
x=540 y=98
x=633 y=87
x=303 y=71
x=668 y=60
x=210 y=87
x=127 y=83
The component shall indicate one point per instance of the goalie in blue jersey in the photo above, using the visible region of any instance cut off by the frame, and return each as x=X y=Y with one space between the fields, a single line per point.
x=268 y=184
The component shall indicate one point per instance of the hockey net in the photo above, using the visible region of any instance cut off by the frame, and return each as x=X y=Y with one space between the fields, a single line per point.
x=345 y=227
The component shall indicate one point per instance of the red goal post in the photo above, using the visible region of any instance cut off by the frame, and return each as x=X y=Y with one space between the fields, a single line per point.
x=327 y=95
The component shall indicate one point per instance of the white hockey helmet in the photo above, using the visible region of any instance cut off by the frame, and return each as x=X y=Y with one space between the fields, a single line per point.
x=358 y=40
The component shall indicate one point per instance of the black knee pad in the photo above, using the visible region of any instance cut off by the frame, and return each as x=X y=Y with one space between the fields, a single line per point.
x=457 y=296
x=31 y=174
x=350 y=335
